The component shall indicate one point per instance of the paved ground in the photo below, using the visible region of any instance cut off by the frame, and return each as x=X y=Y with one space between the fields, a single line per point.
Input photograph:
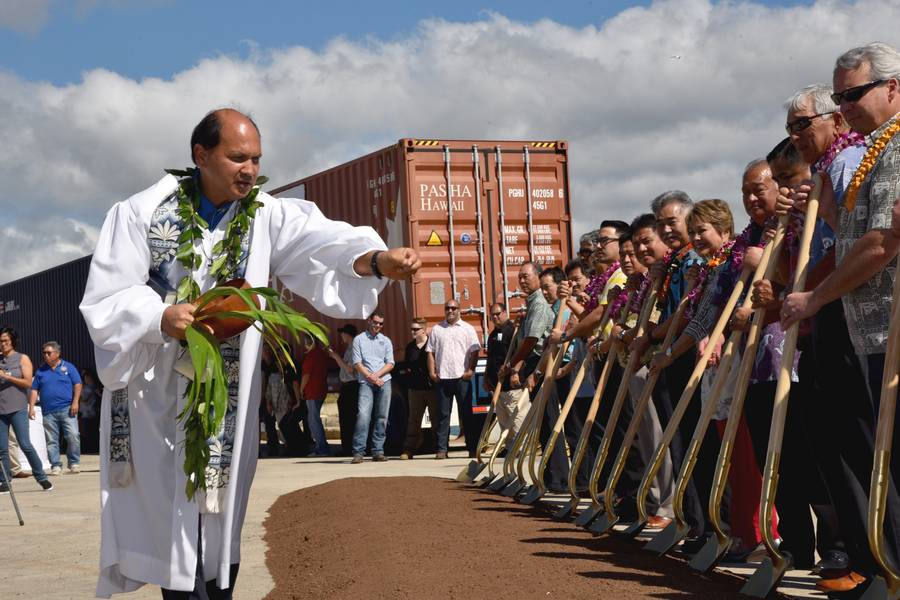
x=54 y=556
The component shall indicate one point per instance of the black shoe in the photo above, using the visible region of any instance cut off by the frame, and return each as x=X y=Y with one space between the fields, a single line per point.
x=46 y=485
x=4 y=488
x=835 y=564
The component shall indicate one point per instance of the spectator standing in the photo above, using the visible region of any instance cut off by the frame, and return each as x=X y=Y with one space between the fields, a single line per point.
x=15 y=378
x=510 y=414
x=348 y=397
x=453 y=349
x=89 y=411
x=312 y=388
x=271 y=378
x=58 y=384
x=419 y=388
x=373 y=359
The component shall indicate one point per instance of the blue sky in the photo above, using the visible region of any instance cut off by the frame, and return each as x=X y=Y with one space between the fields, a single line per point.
x=159 y=38
x=98 y=96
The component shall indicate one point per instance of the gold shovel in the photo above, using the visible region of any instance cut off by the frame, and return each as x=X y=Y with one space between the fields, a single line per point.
x=886 y=585
x=539 y=489
x=535 y=414
x=717 y=545
x=610 y=518
x=585 y=436
x=633 y=364
x=774 y=566
x=471 y=471
x=679 y=527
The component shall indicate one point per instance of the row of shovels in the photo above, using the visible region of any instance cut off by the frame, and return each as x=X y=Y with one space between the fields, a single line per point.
x=521 y=466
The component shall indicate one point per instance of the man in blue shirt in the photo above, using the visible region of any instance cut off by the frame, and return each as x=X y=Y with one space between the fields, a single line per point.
x=372 y=356
x=58 y=384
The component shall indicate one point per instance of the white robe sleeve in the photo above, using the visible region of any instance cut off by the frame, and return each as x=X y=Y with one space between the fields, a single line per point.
x=122 y=313
x=314 y=257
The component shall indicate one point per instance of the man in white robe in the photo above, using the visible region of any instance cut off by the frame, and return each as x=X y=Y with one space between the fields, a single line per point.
x=149 y=527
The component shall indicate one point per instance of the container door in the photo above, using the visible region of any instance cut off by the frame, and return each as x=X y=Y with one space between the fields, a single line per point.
x=528 y=200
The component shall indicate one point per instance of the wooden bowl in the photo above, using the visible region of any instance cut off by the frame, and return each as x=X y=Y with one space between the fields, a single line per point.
x=225 y=327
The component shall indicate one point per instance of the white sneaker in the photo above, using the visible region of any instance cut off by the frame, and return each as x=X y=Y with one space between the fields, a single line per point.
x=56 y=471
x=74 y=470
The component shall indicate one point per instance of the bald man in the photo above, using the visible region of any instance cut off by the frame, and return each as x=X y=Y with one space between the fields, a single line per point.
x=151 y=532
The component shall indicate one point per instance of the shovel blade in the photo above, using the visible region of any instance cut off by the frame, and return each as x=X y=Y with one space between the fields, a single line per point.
x=765 y=579
x=603 y=523
x=499 y=483
x=534 y=494
x=878 y=590
x=588 y=515
x=513 y=488
x=666 y=539
x=486 y=480
x=635 y=528
x=471 y=471
x=566 y=509
x=710 y=554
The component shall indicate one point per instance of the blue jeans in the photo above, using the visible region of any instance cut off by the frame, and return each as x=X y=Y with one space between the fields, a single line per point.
x=316 y=428
x=374 y=403
x=19 y=422
x=69 y=425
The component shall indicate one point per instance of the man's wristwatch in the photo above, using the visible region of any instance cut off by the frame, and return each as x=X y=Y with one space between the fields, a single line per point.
x=669 y=352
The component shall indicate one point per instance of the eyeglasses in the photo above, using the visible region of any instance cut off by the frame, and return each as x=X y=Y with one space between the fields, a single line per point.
x=416 y=328
x=48 y=352
x=450 y=308
x=798 y=125
x=604 y=241
x=377 y=323
x=496 y=314
x=854 y=94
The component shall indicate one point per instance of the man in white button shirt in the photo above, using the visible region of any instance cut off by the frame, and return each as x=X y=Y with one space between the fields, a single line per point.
x=453 y=349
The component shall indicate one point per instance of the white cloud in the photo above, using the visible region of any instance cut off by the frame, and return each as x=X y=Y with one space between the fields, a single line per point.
x=678 y=95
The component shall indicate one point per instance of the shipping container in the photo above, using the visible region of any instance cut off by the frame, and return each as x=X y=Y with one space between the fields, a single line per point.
x=474 y=210
x=44 y=307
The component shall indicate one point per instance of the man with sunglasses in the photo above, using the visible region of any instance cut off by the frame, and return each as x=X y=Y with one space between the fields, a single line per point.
x=58 y=385
x=867 y=87
x=453 y=349
x=419 y=387
x=373 y=359
x=510 y=412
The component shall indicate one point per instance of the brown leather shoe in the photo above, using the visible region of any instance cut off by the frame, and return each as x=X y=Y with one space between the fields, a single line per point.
x=841 y=584
x=440 y=455
x=657 y=522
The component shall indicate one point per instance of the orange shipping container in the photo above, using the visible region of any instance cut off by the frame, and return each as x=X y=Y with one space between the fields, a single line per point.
x=465 y=206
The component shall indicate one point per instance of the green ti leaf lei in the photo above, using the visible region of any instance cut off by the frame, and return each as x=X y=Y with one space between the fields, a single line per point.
x=226 y=254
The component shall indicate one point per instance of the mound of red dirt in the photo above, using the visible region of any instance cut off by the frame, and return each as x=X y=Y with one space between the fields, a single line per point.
x=418 y=538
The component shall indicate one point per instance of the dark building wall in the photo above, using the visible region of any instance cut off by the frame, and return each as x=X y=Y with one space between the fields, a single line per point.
x=44 y=307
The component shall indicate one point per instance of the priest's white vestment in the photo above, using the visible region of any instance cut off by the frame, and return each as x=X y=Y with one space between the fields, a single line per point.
x=149 y=528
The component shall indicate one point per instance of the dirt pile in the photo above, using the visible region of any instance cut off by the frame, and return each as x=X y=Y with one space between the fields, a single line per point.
x=421 y=538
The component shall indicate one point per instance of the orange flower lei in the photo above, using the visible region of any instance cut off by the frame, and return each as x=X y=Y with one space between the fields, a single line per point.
x=867 y=163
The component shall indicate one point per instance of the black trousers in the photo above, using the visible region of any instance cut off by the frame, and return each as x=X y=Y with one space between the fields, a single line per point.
x=572 y=427
x=666 y=395
x=348 y=405
x=271 y=433
x=851 y=406
x=461 y=389
x=556 y=476
x=630 y=479
x=204 y=589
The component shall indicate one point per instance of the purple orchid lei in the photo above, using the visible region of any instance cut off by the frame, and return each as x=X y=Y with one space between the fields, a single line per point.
x=595 y=287
x=721 y=256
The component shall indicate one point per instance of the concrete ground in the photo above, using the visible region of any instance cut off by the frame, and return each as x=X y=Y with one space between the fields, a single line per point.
x=55 y=555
